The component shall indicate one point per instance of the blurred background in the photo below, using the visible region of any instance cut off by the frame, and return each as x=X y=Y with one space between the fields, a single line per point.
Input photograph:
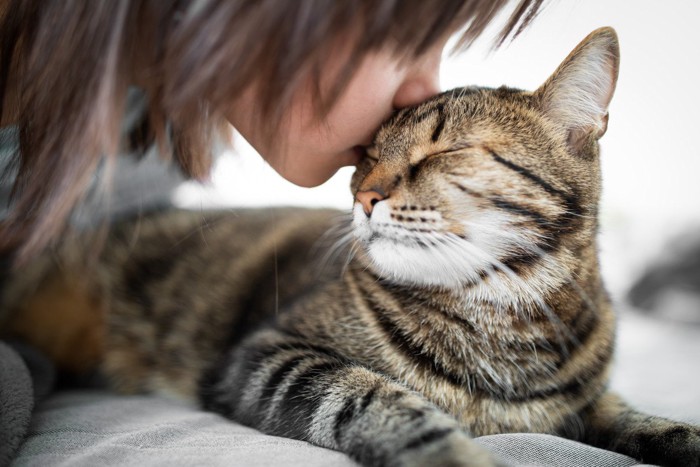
x=650 y=214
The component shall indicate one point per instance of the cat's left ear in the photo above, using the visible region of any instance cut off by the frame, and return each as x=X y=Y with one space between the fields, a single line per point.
x=577 y=95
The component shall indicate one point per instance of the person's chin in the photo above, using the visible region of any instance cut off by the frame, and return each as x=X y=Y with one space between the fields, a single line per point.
x=322 y=172
x=310 y=179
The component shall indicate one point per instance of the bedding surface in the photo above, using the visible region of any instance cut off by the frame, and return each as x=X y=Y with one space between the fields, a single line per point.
x=99 y=428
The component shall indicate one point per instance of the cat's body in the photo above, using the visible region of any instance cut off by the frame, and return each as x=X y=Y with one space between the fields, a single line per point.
x=472 y=304
x=463 y=355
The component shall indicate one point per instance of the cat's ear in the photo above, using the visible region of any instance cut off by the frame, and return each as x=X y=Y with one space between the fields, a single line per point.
x=577 y=95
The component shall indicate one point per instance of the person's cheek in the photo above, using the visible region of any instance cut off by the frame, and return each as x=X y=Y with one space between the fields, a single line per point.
x=361 y=111
x=310 y=151
x=337 y=140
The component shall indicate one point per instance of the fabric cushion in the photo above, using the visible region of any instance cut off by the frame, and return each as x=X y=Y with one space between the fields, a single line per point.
x=100 y=428
x=16 y=401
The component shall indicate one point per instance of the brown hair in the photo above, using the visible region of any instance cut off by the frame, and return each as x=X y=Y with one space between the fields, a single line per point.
x=65 y=68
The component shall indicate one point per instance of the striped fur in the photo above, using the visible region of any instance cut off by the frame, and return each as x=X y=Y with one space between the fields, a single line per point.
x=468 y=303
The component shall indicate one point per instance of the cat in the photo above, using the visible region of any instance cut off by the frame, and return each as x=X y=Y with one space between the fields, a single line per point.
x=465 y=298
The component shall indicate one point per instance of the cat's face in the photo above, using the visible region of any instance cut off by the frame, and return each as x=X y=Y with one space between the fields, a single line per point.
x=479 y=181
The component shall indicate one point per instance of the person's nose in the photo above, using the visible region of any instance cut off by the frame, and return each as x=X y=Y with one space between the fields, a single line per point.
x=419 y=85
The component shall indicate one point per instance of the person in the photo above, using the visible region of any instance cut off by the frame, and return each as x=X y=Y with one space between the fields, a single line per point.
x=305 y=82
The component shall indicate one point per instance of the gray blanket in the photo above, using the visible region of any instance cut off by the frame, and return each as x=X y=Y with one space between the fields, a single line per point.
x=26 y=377
x=89 y=427
x=16 y=401
x=98 y=428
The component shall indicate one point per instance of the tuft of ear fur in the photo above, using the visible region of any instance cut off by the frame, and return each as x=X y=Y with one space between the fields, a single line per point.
x=577 y=95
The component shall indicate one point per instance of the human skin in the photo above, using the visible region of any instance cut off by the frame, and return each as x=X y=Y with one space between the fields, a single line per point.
x=307 y=149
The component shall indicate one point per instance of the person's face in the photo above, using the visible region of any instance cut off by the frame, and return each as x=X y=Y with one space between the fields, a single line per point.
x=310 y=150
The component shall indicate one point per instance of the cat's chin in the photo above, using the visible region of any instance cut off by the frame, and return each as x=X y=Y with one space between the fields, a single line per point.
x=418 y=266
x=408 y=259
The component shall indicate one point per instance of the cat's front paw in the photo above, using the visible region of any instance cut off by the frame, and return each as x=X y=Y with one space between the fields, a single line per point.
x=676 y=445
x=455 y=450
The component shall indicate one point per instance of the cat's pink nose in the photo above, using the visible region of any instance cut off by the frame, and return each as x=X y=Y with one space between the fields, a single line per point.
x=368 y=199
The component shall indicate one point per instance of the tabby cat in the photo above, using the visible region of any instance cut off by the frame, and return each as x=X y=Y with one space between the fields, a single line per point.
x=469 y=301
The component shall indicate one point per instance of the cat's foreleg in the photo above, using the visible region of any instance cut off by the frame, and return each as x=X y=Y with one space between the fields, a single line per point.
x=612 y=424
x=294 y=389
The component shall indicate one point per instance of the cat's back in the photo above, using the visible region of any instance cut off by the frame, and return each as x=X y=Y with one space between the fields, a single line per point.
x=195 y=256
x=167 y=291
x=183 y=286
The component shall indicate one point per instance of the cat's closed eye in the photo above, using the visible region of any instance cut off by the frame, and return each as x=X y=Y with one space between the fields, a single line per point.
x=451 y=150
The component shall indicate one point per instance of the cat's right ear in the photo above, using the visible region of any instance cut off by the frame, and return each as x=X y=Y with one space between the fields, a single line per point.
x=577 y=95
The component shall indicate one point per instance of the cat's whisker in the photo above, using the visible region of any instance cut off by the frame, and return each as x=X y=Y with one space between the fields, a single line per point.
x=342 y=224
x=447 y=257
x=469 y=249
x=578 y=214
x=333 y=252
x=340 y=233
x=520 y=240
x=446 y=260
x=354 y=248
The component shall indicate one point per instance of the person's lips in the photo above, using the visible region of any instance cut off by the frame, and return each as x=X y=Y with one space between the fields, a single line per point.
x=360 y=153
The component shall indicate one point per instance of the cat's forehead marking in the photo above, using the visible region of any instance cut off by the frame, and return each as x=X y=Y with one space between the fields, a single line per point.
x=419 y=132
x=463 y=118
